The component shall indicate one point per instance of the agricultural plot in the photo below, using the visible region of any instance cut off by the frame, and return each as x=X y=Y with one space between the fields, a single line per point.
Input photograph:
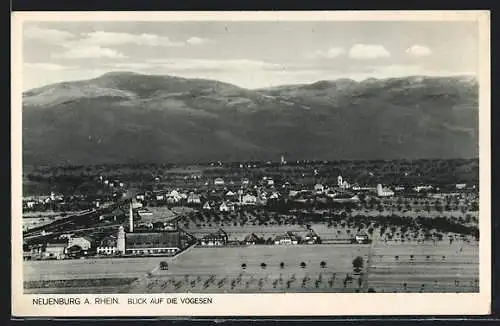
x=456 y=214
x=261 y=269
x=411 y=267
x=85 y=275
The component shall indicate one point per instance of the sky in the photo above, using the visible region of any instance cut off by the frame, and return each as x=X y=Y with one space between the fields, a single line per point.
x=248 y=54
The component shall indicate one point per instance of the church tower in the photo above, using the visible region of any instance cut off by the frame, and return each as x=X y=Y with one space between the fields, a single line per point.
x=120 y=242
x=339 y=181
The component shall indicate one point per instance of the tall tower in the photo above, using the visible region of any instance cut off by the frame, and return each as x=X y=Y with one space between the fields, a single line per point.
x=379 y=190
x=120 y=242
x=340 y=181
x=131 y=218
x=283 y=162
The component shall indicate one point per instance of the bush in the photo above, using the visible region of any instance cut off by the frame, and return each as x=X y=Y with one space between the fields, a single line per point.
x=357 y=262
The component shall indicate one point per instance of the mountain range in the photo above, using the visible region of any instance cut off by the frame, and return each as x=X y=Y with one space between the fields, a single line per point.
x=125 y=117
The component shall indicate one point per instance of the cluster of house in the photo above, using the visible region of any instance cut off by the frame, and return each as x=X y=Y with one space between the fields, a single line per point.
x=155 y=241
x=63 y=203
x=123 y=244
x=226 y=196
x=32 y=201
x=223 y=238
x=223 y=199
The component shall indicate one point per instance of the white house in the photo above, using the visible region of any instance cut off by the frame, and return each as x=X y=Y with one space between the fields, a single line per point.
x=319 y=188
x=144 y=213
x=55 y=250
x=136 y=204
x=30 y=204
x=219 y=181
x=108 y=246
x=460 y=186
x=420 y=188
x=174 y=196
x=206 y=206
x=383 y=191
x=286 y=239
x=224 y=207
x=83 y=242
x=193 y=199
x=274 y=195
x=361 y=237
x=248 y=199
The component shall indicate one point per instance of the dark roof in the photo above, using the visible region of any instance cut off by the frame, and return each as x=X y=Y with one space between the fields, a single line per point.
x=56 y=244
x=252 y=237
x=109 y=241
x=362 y=234
x=216 y=235
x=152 y=239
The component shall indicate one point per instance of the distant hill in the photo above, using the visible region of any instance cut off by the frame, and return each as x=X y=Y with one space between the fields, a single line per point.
x=128 y=117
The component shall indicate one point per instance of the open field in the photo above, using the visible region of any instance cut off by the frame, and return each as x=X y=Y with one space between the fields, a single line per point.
x=41 y=276
x=388 y=267
x=91 y=285
x=213 y=270
x=408 y=267
x=414 y=213
x=88 y=268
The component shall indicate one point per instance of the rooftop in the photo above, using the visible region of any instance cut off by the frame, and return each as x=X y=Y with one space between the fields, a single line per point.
x=152 y=239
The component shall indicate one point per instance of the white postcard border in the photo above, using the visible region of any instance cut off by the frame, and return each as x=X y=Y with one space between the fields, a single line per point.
x=291 y=304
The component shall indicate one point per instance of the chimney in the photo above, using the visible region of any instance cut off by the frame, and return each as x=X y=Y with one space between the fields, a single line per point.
x=131 y=218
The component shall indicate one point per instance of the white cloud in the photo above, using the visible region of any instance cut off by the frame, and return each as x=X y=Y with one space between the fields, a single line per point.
x=213 y=64
x=199 y=41
x=111 y=38
x=331 y=53
x=47 y=35
x=368 y=51
x=46 y=66
x=81 y=52
x=418 y=50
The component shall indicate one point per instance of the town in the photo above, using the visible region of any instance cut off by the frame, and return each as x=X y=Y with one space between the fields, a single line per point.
x=221 y=211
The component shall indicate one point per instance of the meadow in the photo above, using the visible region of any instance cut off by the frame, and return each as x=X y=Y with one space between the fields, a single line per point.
x=386 y=267
x=85 y=275
x=410 y=267
x=261 y=269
